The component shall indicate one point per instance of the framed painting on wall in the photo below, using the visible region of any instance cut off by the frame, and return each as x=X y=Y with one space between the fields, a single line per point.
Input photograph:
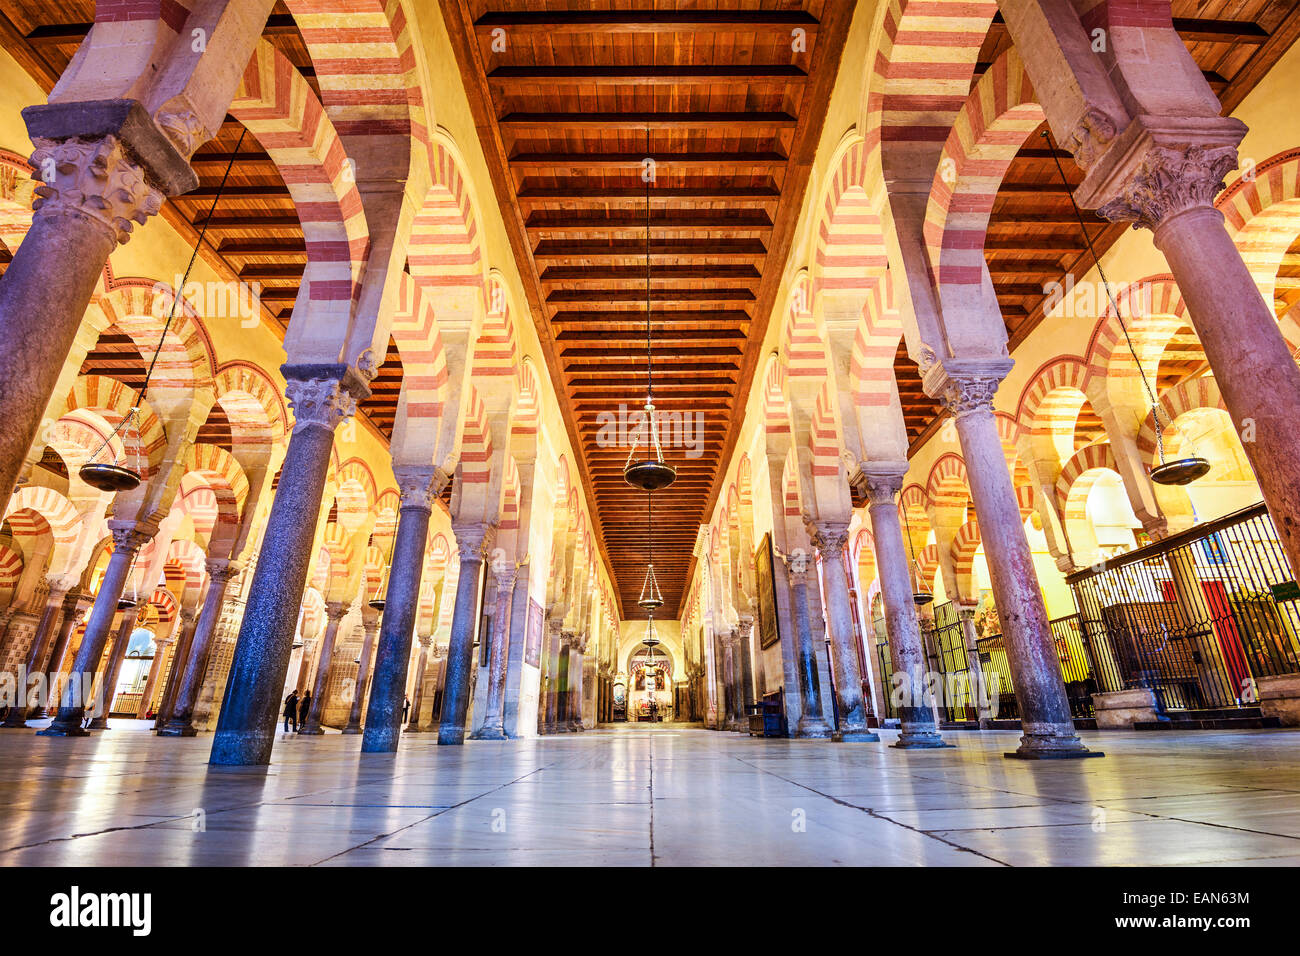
x=533 y=634
x=770 y=632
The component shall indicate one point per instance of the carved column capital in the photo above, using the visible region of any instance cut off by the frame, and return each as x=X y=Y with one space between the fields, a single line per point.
x=967 y=386
x=94 y=178
x=130 y=539
x=473 y=540
x=220 y=570
x=829 y=537
x=426 y=641
x=337 y=610
x=1170 y=180
x=319 y=402
x=419 y=487
x=883 y=481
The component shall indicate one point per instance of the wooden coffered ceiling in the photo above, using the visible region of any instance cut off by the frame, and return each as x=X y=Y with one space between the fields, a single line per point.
x=570 y=98
x=1034 y=239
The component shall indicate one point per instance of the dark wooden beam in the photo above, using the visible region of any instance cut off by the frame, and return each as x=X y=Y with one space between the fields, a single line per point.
x=647 y=21
x=642 y=76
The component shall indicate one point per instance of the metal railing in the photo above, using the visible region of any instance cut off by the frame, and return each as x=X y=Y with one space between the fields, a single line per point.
x=886 y=664
x=1197 y=617
x=945 y=643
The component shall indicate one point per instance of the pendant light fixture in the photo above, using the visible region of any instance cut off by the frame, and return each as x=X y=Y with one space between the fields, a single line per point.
x=114 y=476
x=920 y=596
x=379 y=602
x=1182 y=471
x=650 y=473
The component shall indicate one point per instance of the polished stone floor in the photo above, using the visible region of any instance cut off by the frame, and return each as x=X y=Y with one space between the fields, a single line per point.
x=662 y=796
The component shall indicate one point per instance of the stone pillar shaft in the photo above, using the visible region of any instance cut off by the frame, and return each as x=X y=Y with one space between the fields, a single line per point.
x=19 y=713
x=363 y=677
x=383 y=726
x=246 y=727
x=130 y=618
x=55 y=666
x=831 y=540
x=498 y=657
x=460 y=649
x=421 y=668
x=180 y=717
x=811 y=722
x=335 y=613
x=72 y=705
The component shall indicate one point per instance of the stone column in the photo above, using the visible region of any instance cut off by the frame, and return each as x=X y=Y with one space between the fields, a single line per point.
x=335 y=611
x=981 y=694
x=19 y=713
x=576 y=650
x=914 y=705
x=71 y=614
x=830 y=538
x=322 y=397
x=96 y=188
x=471 y=541
x=493 y=727
x=966 y=388
x=555 y=628
x=108 y=686
x=811 y=722
x=1166 y=181
x=180 y=711
x=419 y=488
x=155 y=669
x=745 y=630
x=189 y=618
x=370 y=626
x=421 y=667
x=731 y=683
x=127 y=542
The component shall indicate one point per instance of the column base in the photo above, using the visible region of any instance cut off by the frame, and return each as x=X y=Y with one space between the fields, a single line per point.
x=489 y=733
x=311 y=732
x=241 y=748
x=17 y=719
x=63 y=730
x=813 y=727
x=99 y=723
x=451 y=737
x=176 y=728
x=1052 y=744
x=921 y=741
x=353 y=729
x=859 y=737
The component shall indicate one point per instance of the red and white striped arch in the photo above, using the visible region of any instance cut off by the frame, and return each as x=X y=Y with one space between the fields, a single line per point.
x=987 y=132
x=1049 y=407
x=1186 y=396
x=476 y=443
x=965 y=545
x=278 y=107
x=1153 y=311
x=1079 y=475
x=446 y=248
x=139 y=307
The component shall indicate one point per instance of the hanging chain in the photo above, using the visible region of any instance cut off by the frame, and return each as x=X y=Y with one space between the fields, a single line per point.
x=1151 y=395
x=176 y=297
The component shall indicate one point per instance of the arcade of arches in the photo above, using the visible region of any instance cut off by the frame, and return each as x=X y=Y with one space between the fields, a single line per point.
x=915 y=426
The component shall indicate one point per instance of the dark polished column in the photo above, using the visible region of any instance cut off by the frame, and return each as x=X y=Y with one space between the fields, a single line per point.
x=831 y=539
x=966 y=389
x=370 y=625
x=180 y=656
x=421 y=670
x=322 y=397
x=551 y=708
x=811 y=722
x=419 y=487
x=471 y=540
x=562 y=696
x=915 y=704
x=335 y=611
x=71 y=618
x=493 y=727
x=127 y=542
x=745 y=630
x=24 y=707
x=108 y=686
x=180 y=717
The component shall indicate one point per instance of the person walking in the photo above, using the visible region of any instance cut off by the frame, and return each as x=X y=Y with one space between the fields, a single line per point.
x=291 y=712
x=406 y=709
x=304 y=708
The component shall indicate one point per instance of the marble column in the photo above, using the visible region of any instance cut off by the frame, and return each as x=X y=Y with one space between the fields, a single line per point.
x=745 y=631
x=97 y=188
x=419 y=488
x=830 y=538
x=1170 y=190
x=980 y=693
x=421 y=669
x=913 y=702
x=160 y=646
x=731 y=683
x=811 y=722
x=335 y=611
x=24 y=706
x=322 y=397
x=493 y=727
x=576 y=648
x=370 y=627
x=180 y=710
x=189 y=618
x=555 y=629
x=127 y=542
x=966 y=389
x=471 y=540
x=71 y=618
x=108 y=685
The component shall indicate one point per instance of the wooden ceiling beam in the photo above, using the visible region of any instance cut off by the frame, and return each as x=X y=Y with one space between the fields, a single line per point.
x=511 y=78
x=548 y=249
x=654 y=121
x=633 y=161
x=638 y=274
x=732 y=195
x=733 y=222
x=646 y=21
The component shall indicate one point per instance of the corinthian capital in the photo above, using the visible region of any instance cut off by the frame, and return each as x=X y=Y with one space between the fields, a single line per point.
x=1170 y=180
x=320 y=402
x=419 y=487
x=94 y=178
x=129 y=539
x=829 y=537
x=220 y=570
x=965 y=386
x=883 y=481
x=473 y=540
